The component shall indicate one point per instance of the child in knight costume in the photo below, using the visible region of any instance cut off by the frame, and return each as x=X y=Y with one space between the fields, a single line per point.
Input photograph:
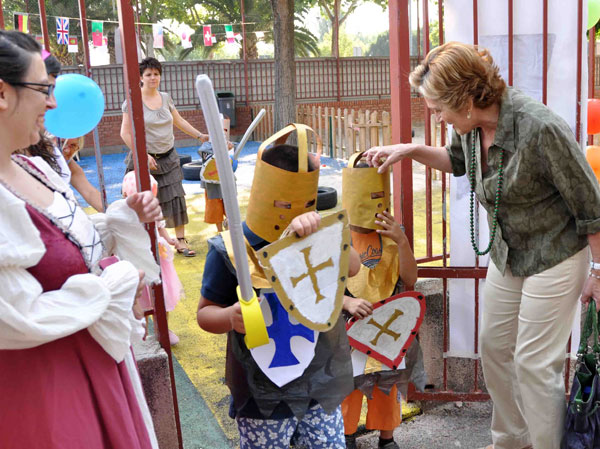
x=269 y=410
x=386 y=260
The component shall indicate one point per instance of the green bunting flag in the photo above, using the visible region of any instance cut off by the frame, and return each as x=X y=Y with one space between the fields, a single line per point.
x=97 y=37
x=229 y=34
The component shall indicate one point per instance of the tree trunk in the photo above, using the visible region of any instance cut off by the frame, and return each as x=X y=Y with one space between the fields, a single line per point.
x=148 y=40
x=335 y=30
x=285 y=65
x=251 y=48
x=111 y=45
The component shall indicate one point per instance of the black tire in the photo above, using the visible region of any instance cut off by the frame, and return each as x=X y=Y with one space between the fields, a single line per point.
x=191 y=171
x=326 y=198
x=184 y=159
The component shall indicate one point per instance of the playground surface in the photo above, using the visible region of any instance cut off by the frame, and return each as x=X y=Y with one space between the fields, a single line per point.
x=199 y=357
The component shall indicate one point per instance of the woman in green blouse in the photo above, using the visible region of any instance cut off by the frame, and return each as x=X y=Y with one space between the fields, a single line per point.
x=543 y=205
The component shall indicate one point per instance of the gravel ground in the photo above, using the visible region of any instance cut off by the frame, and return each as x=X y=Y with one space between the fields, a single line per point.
x=441 y=426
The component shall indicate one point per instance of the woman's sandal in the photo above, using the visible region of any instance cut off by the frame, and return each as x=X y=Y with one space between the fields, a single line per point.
x=185 y=251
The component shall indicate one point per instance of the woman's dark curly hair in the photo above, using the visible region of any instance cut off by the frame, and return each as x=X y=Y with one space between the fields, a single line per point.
x=44 y=149
x=150 y=63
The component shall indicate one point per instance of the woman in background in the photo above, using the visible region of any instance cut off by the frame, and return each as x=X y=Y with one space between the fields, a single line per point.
x=160 y=115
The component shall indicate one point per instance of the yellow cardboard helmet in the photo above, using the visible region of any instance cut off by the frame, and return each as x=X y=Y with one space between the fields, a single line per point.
x=365 y=193
x=278 y=195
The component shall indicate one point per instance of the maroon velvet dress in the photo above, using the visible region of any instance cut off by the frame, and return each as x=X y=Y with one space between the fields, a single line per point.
x=69 y=393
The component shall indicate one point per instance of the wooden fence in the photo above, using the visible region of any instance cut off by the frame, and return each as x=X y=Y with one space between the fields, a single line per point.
x=342 y=131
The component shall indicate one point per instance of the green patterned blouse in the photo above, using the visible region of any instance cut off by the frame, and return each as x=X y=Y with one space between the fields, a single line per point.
x=550 y=198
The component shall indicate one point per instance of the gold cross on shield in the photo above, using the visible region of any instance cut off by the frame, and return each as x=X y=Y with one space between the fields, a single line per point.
x=385 y=329
x=312 y=272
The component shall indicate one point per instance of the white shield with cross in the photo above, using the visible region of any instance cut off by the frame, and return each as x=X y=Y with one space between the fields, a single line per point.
x=291 y=345
x=309 y=274
x=387 y=334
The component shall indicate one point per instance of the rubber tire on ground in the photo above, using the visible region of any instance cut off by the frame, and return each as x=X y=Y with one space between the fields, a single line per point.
x=191 y=170
x=326 y=198
x=184 y=159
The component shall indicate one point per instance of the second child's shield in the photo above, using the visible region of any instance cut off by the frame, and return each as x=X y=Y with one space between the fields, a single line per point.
x=389 y=331
x=309 y=274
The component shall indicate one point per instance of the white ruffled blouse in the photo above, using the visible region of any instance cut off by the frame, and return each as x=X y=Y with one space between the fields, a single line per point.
x=99 y=302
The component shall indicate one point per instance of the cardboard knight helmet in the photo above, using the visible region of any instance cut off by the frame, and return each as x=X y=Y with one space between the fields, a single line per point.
x=365 y=193
x=278 y=195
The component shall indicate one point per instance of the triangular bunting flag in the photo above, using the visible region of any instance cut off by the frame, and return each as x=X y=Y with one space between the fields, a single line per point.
x=97 y=30
x=62 y=31
x=229 y=34
x=22 y=23
x=186 y=39
x=73 y=46
x=208 y=37
x=157 y=32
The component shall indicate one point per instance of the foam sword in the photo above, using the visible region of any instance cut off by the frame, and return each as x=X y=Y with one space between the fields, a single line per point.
x=256 y=330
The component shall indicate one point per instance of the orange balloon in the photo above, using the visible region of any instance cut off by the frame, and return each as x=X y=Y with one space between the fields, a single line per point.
x=593 y=124
x=592 y=155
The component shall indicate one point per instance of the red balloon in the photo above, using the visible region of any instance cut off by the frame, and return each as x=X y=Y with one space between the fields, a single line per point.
x=593 y=125
x=592 y=155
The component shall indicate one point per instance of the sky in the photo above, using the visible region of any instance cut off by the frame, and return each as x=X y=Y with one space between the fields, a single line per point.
x=368 y=13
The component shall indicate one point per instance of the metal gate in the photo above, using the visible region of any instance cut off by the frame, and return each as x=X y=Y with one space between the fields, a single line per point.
x=404 y=201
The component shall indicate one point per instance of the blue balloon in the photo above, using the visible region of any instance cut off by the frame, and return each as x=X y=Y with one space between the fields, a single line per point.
x=79 y=106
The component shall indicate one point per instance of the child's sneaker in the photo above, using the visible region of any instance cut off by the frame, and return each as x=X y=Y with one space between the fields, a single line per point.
x=173 y=339
x=386 y=444
x=350 y=441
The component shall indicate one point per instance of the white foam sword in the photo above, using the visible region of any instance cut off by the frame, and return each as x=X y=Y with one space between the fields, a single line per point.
x=256 y=330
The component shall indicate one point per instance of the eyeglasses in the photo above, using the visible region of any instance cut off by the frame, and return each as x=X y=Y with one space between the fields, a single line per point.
x=49 y=91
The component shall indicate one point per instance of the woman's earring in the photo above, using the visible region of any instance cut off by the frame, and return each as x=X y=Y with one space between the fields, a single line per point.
x=469 y=115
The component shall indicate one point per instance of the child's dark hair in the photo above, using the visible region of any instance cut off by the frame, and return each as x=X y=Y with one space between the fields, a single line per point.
x=285 y=157
x=53 y=66
x=15 y=55
x=150 y=63
x=44 y=149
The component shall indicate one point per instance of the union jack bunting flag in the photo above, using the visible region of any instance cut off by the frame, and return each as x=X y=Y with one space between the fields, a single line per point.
x=62 y=30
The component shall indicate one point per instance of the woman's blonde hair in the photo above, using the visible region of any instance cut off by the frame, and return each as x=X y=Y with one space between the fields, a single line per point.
x=455 y=72
x=80 y=142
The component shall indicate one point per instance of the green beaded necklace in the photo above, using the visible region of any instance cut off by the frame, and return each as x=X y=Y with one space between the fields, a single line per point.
x=472 y=199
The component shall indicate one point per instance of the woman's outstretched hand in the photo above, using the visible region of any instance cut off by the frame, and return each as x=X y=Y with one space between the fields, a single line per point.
x=384 y=157
x=146 y=206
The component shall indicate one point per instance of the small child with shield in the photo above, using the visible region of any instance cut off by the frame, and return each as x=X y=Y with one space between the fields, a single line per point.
x=269 y=411
x=387 y=263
